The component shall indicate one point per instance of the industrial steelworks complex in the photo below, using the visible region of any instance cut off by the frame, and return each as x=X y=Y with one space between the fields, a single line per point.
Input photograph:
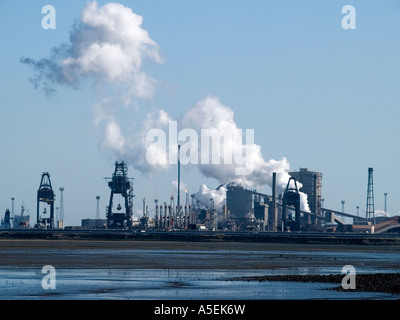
x=243 y=210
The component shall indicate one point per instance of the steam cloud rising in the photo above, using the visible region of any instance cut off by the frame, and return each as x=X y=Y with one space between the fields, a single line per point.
x=210 y=113
x=108 y=45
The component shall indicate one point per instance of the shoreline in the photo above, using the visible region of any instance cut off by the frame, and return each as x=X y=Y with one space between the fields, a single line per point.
x=304 y=238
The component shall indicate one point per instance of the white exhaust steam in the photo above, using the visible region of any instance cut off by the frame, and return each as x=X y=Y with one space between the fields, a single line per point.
x=209 y=114
x=108 y=46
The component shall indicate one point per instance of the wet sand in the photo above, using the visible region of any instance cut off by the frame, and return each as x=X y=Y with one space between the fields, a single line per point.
x=381 y=261
x=190 y=255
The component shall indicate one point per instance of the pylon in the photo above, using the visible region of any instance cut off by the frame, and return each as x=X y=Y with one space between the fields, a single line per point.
x=370 y=209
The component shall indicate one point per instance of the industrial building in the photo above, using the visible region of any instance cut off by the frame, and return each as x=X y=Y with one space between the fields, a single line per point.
x=21 y=221
x=6 y=222
x=312 y=186
x=94 y=223
x=239 y=201
x=244 y=209
x=249 y=210
x=11 y=221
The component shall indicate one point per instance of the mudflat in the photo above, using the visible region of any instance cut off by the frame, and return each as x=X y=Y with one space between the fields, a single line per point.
x=192 y=255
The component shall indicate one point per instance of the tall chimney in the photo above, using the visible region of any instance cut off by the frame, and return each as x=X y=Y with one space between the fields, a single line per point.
x=179 y=178
x=274 y=211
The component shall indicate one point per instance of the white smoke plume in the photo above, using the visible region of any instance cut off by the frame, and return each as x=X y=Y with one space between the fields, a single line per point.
x=107 y=45
x=205 y=194
x=210 y=113
x=134 y=148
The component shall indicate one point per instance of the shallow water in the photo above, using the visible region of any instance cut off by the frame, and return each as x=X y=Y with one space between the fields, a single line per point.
x=175 y=284
x=183 y=274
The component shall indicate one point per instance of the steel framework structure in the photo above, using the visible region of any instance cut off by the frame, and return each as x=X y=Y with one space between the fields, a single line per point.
x=46 y=194
x=291 y=197
x=120 y=184
x=370 y=209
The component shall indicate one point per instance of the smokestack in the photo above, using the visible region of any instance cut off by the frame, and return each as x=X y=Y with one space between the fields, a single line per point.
x=315 y=202
x=179 y=178
x=12 y=207
x=274 y=212
x=156 y=217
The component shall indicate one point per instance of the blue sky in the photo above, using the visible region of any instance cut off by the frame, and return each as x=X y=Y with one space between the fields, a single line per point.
x=323 y=97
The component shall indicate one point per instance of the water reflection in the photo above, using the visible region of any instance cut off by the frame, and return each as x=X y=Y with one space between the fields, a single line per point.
x=154 y=284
